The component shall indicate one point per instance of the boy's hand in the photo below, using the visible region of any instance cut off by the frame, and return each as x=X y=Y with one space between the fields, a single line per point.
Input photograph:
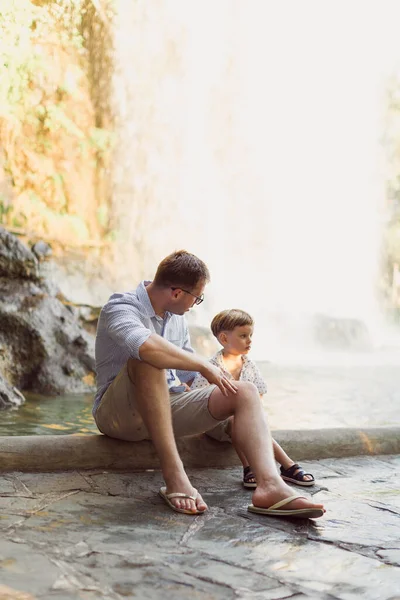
x=215 y=375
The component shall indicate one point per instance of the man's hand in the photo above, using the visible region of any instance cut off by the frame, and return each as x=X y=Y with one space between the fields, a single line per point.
x=160 y=353
x=215 y=375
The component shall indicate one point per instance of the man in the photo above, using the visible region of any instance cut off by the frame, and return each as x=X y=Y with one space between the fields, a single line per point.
x=142 y=348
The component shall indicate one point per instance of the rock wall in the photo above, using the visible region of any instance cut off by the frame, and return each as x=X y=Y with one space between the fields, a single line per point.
x=43 y=347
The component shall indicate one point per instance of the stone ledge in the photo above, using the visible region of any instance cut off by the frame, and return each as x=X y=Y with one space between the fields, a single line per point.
x=68 y=452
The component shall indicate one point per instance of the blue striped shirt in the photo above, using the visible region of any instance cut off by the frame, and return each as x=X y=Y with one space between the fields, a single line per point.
x=126 y=321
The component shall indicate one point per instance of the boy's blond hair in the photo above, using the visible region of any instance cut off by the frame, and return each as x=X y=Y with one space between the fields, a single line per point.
x=227 y=320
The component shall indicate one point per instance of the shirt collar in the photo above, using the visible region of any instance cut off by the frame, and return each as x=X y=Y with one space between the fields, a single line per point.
x=145 y=301
x=218 y=357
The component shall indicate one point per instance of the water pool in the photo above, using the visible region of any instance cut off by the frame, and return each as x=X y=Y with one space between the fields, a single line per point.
x=299 y=397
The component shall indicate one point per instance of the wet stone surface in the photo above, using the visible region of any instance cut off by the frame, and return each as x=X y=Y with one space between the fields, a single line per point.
x=94 y=535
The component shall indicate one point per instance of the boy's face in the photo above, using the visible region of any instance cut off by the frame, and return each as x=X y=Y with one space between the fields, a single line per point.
x=237 y=341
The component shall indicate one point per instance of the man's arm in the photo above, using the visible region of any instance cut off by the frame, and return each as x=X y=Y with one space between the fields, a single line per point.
x=125 y=327
x=160 y=353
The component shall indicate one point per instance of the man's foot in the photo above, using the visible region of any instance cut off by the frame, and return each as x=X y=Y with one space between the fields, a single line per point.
x=276 y=510
x=182 y=485
x=170 y=498
x=267 y=497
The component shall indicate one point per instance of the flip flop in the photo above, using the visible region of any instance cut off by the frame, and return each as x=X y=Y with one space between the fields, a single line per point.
x=301 y=513
x=167 y=498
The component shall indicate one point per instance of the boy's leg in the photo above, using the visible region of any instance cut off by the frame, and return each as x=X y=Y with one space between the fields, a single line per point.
x=280 y=455
x=248 y=476
x=286 y=462
x=252 y=435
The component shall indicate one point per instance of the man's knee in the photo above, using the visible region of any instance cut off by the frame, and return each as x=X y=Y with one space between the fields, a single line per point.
x=247 y=394
x=247 y=389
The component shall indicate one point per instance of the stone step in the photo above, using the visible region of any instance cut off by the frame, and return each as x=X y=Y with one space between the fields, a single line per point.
x=68 y=452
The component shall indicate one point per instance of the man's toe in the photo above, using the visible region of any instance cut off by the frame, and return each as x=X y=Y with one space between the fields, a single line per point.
x=200 y=504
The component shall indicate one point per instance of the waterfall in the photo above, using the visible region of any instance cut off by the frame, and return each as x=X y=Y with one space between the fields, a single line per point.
x=249 y=134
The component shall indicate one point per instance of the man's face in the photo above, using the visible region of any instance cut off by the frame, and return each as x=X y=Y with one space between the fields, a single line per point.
x=182 y=301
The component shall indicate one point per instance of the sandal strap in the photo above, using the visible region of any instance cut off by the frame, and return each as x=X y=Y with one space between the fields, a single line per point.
x=248 y=474
x=291 y=470
x=284 y=502
x=180 y=495
x=296 y=472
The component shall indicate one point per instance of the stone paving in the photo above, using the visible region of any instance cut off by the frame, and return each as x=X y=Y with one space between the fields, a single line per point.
x=99 y=535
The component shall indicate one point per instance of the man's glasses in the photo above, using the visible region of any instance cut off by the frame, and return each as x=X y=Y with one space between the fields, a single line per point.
x=199 y=299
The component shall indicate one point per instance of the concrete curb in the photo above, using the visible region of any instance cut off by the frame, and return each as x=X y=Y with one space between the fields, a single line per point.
x=69 y=452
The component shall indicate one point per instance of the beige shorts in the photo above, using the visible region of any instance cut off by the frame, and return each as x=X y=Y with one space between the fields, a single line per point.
x=118 y=416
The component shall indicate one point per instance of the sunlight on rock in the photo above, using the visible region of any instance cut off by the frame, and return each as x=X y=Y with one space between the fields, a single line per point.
x=367 y=442
x=280 y=566
x=7 y=593
x=89 y=379
x=7 y=563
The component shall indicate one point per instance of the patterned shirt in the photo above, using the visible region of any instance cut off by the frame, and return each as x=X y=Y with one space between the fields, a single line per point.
x=126 y=321
x=250 y=372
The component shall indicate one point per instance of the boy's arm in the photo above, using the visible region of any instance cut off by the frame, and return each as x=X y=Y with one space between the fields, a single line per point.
x=198 y=382
x=253 y=374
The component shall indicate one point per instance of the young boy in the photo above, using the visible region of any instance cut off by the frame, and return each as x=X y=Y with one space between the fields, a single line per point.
x=234 y=329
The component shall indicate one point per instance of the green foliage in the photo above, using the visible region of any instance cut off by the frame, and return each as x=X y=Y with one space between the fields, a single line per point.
x=23 y=27
x=46 y=116
x=101 y=140
x=4 y=208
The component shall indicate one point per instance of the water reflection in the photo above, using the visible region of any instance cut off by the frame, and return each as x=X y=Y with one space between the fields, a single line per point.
x=43 y=415
x=318 y=397
x=299 y=397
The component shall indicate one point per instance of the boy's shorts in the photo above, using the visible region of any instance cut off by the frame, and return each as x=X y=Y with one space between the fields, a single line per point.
x=118 y=416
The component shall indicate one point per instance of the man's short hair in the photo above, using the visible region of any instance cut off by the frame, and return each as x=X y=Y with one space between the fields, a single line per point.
x=182 y=270
x=227 y=320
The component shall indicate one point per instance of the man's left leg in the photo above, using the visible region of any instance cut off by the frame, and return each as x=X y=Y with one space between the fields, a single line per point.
x=252 y=435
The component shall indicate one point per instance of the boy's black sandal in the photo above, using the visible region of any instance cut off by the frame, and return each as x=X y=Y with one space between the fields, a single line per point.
x=297 y=478
x=247 y=476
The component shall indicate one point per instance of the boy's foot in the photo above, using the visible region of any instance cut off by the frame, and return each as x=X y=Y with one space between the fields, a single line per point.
x=249 y=480
x=295 y=474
